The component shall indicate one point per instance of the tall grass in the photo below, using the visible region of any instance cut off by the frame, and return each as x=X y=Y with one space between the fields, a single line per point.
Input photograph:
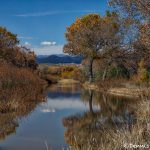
x=20 y=91
x=18 y=84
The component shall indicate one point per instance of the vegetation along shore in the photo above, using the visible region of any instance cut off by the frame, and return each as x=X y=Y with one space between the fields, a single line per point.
x=109 y=70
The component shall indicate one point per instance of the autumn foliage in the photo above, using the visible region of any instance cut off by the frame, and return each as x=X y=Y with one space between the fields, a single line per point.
x=92 y=37
x=14 y=54
x=120 y=38
x=19 y=80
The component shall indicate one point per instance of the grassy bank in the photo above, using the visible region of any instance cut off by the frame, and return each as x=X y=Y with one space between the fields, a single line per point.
x=120 y=88
x=21 y=89
x=18 y=84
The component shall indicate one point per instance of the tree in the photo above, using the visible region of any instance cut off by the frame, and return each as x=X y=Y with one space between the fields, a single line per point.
x=136 y=17
x=135 y=12
x=135 y=9
x=92 y=36
x=7 y=39
x=12 y=53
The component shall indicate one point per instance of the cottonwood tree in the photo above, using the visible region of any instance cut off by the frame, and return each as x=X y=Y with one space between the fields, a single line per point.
x=12 y=53
x=136 y=13
x=135 y=9
x=7 y=39
x=93 y=36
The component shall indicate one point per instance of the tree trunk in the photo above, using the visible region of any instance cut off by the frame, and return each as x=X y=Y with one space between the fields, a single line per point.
x=90 y=70
x=104 y=74
x=90 y=101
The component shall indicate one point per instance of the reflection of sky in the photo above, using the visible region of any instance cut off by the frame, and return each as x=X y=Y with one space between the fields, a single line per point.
x=42 y=126
x=62 y=104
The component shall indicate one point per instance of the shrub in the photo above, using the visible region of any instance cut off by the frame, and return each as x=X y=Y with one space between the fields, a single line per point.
x=119 y=71
x=143 y=74
x=19 y=83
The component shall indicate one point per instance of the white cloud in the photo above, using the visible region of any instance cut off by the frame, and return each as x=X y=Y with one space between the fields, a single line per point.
x=48 y=50
x=66 y=103
x=39 y=14
x=58 y=104
x=48 y=43
x=27 y=44
x=53 y=43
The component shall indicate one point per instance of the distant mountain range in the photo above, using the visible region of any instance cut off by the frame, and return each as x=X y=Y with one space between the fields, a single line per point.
x=58 y=59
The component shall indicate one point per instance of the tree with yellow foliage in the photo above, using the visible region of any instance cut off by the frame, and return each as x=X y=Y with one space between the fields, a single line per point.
x=92 y=36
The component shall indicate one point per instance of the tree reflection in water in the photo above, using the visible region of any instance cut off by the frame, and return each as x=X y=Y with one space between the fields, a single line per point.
x=90 y=128
x=12 y=110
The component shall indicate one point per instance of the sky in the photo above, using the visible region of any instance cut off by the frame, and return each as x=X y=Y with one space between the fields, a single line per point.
x=41 y=24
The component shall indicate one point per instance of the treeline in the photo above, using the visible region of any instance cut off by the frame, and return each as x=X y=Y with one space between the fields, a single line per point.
x=115 y=45
x=10 y=52
x=19 y=80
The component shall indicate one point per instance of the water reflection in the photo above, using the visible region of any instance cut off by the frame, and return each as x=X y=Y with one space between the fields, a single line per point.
x=114 y=112
x=12 y=111
x=37 y=125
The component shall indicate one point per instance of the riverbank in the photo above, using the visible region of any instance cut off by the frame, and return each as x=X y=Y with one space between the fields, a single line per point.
x=68 y=81
x=18 y=85
x=128 y=91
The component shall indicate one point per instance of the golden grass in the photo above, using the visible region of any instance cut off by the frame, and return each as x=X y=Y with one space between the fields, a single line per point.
x=18 y=84
x=68 y=81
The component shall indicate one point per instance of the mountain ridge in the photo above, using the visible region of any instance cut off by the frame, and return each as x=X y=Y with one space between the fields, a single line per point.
x=58 y=59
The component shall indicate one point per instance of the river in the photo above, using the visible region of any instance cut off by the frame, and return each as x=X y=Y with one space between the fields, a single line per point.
x=57 y=123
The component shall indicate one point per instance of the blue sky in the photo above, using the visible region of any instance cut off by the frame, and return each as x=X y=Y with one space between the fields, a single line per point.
x=41 y=24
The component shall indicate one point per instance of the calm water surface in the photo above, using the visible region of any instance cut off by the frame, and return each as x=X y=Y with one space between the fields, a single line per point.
x=50 y=124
